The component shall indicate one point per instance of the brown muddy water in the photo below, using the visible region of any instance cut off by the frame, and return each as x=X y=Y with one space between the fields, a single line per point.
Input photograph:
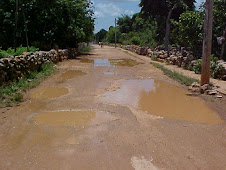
x=70 y=74
x=114 y=62
x=48 y=92
x=161 y=99
x=86 y=60
x=124 y=62
x=73 y=118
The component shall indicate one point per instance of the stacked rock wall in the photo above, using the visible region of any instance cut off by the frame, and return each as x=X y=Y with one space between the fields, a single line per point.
x=14 y=67
x=181 y=58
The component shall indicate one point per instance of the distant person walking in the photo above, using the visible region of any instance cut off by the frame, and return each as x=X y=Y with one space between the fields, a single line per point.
x=101 y=44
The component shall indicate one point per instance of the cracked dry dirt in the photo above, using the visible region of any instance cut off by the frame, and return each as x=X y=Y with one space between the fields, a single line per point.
x=110 y=110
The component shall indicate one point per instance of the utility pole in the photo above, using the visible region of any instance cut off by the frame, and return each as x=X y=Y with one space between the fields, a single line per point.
x=115 y=32
x=207 y=42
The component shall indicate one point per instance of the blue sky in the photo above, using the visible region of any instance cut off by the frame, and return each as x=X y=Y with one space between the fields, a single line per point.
x=107 y=10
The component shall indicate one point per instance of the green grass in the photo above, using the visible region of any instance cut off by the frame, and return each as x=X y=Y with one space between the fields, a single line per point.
x=13 y=93
x=19 y=51
x=85 y=50
x=176 y=76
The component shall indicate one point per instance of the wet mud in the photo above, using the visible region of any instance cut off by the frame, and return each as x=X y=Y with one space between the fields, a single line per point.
x=115 y=62
x=48 y=92
x=162 y=99
x=70 y=74
x=86 y=60
x=124 y=62
x=72 y=118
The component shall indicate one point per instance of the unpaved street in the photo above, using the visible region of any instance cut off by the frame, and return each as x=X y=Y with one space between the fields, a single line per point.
x=111 y=110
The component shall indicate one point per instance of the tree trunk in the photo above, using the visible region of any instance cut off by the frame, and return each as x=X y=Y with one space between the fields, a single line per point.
x=223 y=45
x=207 y=42
x=166 y=41
x=222 y=51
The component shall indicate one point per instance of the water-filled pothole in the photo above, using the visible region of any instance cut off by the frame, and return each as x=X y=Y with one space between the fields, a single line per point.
x=73 y=118
x=70 y=74
x=102 y=62
x=48 y=92
x=114 y=62
x=86 y=60
x=162 y=99
x=124 y=62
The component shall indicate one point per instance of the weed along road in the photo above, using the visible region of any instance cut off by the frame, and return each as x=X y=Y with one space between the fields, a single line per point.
x=111 y=110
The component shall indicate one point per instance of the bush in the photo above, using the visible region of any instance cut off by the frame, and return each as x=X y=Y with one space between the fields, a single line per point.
x=19 y=51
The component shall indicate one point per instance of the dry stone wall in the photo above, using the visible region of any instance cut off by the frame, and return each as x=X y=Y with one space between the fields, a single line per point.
x=14 y=67
x=181 y=58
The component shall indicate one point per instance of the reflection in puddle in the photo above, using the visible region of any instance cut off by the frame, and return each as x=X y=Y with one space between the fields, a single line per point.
x=114 y=62
x=73 y=118
x=102 y=62
x=70 y=74
x=49 y=92
x=162 y=99
x=124 y=62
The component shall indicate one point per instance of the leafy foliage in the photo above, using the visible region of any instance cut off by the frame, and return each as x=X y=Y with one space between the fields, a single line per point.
x=50 y=22
x=101 y=35
x=19 y=51
x=188 y=31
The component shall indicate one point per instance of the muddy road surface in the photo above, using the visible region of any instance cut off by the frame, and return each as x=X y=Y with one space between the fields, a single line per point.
x=110 y=110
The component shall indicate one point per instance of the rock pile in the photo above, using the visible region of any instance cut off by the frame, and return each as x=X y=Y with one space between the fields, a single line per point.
x=14 y=67
x=181 y=58
x=205 y=89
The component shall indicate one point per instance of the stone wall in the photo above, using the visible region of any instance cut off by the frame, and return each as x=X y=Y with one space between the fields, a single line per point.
x=181 y=58
x=14 y=67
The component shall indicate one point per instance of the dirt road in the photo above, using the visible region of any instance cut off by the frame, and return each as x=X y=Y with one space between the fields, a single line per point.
x=110 y=110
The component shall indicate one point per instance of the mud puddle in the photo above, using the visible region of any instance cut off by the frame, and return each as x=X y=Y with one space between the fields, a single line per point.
x=102 y=62
x=124 y=62
x=162 y=99
x=73 y=118
x=49 y=92
x=115 y=62
x=85 y=60
x=70 y=74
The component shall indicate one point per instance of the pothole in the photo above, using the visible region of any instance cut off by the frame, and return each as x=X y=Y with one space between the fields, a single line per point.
x=161 y=99
x=102 y=62
x=48 y=92
x=85 y=60
x=73 y=118
x=124 y=62
x=70 y=74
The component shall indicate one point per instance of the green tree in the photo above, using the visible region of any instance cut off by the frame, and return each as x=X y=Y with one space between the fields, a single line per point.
x=101 y=35
x=165 y=9
x=110 y=37
x=50 y=22
x=188 y=31
x=125 y=24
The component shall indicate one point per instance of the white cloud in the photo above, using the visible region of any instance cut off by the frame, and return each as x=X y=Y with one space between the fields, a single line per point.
x=129 y=12
x=110 y=9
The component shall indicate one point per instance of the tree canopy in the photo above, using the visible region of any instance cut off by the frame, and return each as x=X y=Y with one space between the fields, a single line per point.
x=49 y=22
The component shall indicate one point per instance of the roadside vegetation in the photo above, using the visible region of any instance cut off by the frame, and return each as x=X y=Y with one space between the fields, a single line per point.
x=46 y=24
x=19 y=51
x=175 y=75
x=85 y=50
x=13 y=92
x=166 y=24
